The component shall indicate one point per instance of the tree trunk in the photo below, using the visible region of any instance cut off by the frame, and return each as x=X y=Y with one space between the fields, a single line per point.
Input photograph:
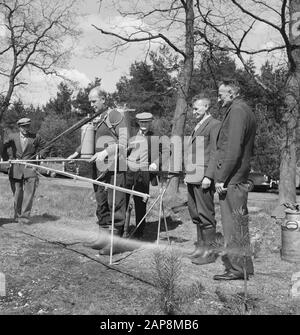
x=184 y=86
x=4 y=105
x=287 y=184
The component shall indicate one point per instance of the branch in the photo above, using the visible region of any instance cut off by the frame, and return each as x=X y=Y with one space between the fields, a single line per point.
x=36 y=42
x=20 y=83
x=237 y=48
x=4 y=74
x=184 y=4
x=288 y=46
x=142 y=39
x=245 y=34
x=264 y=4
x=5 y=50
x=144 y=15
x=255 y=16
x=255 y=77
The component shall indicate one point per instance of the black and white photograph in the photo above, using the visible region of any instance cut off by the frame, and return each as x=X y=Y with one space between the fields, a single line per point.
x=149 y=160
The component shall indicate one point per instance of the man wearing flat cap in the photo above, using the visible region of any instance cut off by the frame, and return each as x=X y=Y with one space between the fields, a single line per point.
x=142 y=164
x=23 y=145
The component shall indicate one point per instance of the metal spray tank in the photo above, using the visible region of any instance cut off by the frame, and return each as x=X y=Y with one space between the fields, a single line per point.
x=88 y=131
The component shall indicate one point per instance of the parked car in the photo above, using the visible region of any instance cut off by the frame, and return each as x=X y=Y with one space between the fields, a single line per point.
x=258 y=181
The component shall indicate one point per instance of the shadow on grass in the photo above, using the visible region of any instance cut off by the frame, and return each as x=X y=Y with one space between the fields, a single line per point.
x=4 y=221
x=151 y=229
x=43 y=218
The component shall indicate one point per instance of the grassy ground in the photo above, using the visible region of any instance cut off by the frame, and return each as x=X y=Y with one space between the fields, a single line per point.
x=49 y=271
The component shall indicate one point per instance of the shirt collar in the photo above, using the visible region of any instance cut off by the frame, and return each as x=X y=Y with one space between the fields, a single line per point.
x=203 y=120
x=140 y=132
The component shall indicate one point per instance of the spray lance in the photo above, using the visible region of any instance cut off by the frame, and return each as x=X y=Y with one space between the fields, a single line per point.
x=76 y=126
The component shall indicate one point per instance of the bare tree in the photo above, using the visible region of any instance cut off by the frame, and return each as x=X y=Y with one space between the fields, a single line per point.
x=223 y=25
x=36 y=34
x=168 y=22
x=227 y=24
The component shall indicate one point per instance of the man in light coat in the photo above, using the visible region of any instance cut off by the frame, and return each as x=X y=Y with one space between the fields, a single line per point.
x=23 y=145
x=199 y=167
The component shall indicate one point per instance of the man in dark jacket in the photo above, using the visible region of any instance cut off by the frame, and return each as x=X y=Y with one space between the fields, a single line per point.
x=235 y=143
x=111 y=134
x=23 y=145
x=199 y=178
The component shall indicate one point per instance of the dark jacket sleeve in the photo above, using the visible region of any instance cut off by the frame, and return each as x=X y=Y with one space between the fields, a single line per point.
x=213 y=148
x=236 y=134
x=41 y=144
x=8 y=143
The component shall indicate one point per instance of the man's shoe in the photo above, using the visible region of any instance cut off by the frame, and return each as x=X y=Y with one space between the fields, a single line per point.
x=205 y=258
x=24 y=221
x=228 y=275
x=198 y=252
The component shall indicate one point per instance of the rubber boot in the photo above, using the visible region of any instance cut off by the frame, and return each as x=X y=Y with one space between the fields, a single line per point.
x=102 y=239
x=199 y=244
x=118 y=231
x=208 y=254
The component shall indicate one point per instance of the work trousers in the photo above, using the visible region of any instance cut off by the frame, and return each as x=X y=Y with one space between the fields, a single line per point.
x=234 y=214
x=140 y=180
x=23 y=191
x=104 y=198
x=201 y=205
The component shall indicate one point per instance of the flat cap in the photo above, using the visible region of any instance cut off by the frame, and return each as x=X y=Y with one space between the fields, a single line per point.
x=24 y=121
x=144 y=117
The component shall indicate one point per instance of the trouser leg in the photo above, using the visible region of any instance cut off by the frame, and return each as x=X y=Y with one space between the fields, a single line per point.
x=102 y=210
x=201 y=206
x=120 y=211
x=202 y=212
x=17 y=189
x=140 y=205
x=234 y=215
x=120 y=200
x=30 y=185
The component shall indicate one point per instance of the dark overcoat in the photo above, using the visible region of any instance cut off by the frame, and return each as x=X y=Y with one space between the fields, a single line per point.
x=235 y=143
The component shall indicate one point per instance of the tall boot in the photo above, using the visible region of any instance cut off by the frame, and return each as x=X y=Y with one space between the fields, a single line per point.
x=199 y=244
x=208 y=254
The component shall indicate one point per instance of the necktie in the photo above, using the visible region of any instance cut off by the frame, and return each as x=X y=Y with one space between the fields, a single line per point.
x=23 y=142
